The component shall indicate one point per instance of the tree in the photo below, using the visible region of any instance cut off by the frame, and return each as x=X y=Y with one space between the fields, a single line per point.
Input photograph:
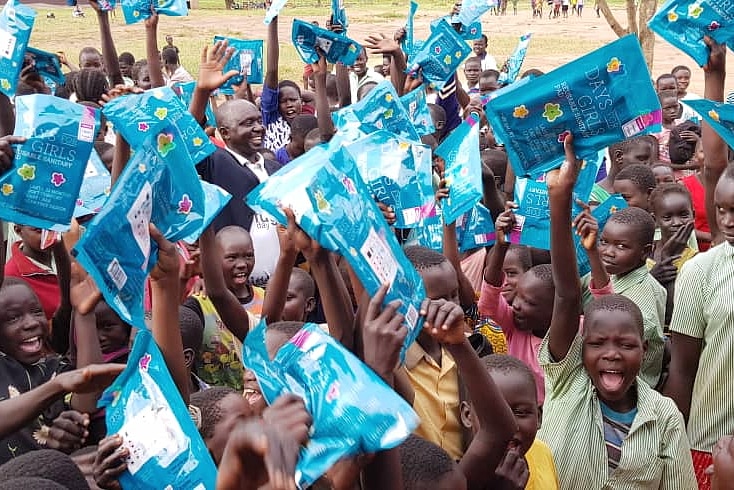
x=639 y=12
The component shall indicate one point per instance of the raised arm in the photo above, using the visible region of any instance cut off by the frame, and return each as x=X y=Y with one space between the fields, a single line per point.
x=588 y=230
x=323 y=111
x=109 y=52
x=62 y=317
x=7 y=116
x=211 y=77
x=151 y=49
x=565 y=320
x=496 y=257
x=467 y=295
x=273 y=48
x=275 y=296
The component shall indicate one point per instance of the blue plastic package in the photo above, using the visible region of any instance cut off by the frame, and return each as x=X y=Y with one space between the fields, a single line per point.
x=16 y=24
x=137 y=116
x=463 y=169
x=144 y=407
x=468 y=33
x=106 y=5
x=42 y=187
x=472 y=10
x=47 y=65
x=215 y=198
x=137 y=10
x=398 y=173
x=600 y=98
x=95 y=187
x=602 y=213
x=116 y=249
x=334 y=206
x=339 y=14
x=337 y=48
x=407 y=42
x=429 y=234
x=380 y=109
x=719 y=115
x=273 y=11
x=247 y=60
x=515 y=61
x=420 y=115
x=440 y=55
x=684 y=23
x=185 y=92
x=353 y=410
x=475 y=229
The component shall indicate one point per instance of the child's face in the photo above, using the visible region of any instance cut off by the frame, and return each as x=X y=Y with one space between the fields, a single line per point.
x=143 y=80
x=289 y=103
x=513 y=269
x=671 y=108
x=634 y=196
x=297 y=305
x=23 y=324
x=238 y=259
x=612 y=356
x=672 y=211
x=639 y=153
x=724 y=199
x=233 y=407
x=441 y=282
x=112 y=332
x=533 y=305
x=472 y=70
x=487 y=85
x=667 y=83
x=682 y=78
x=620 y=250
x=522 y=398
x=30 y=236
x=663 y=174
x=253 y=394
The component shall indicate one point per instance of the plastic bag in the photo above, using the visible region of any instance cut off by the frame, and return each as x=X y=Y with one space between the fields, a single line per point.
x=156 y=186
x=440 y=55
x=215 y=198
x=600 y=98
x=16 y=24
x=472 y=10
x=515 y=61
x=463 y=169
x=137 y=10
x=684 y=23
x=380 y=109
x=48 y=67
x=106 y=5
x=185 y=92
x=339 y=14
x=719 y=115
x=273 y=11
x=334 y=206
x=468 y=33
x=353 y=410
x=335 y=47
x=602 y=213
x=42 y=187
x=475 y=229
x=247 y=60
x=398 y=173
x=429 y=234
x=137 y=116
x=144 y=407
x=420 y=115
x=407 y=42
x=95 y=187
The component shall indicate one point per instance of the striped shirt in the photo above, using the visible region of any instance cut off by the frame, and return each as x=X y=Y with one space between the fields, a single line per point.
x=654 y=455
x=639 y=286
x=704 y=309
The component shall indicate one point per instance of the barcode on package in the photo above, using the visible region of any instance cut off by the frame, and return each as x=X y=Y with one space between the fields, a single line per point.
x=633 y=127
x=86 y=126
x=117 y=274
x=379 y=257
x=411 y=316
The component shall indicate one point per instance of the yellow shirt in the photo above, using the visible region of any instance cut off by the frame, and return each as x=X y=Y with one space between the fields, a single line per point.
x=436 y=398
x=542 y=468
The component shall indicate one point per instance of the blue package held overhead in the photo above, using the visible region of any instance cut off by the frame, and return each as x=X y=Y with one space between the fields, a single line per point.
x=334 y=206
x=380 y=109
x=144 y=407
x=472 y=10
x=684 y=23
x=475 y=229
x=43 y=184
x=463 y=169
x=417 y=107
x=185 y=92
x=719 y=115
x=157 y=186
x=337 y=48
x=48 y=66
x=602 y=213
x=339 y=14
x=440 y=55
x=398 y=173
x=137 y=116
x=215 y=198
x=407 y=42
x=273 y=11
x=600 y=98
x=16 y=24
x=514 y=62
x=247 y=60
x=429 y=234
x=353 y=410
x=95 y=187
x=468 y=33
x=137 y=10
x=106 y=5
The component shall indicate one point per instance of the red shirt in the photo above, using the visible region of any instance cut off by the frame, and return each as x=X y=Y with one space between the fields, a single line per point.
x=43 y=281
x=698 y=196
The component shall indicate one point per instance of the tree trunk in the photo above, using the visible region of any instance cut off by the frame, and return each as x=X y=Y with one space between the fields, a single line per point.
x=637 y=19
x=647 y=37
x=611 y=20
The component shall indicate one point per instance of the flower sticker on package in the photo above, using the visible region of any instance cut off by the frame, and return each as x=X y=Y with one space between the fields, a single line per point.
x=601 y=98
x=417 y=107
x=335 y=207
x=43 y=184
x=247 y=60
x=137 y=116
x=398 y=173
x=215 y=198
x=684 y=23
x=16 y=23
x=719 y=115
x=463 y=169
x=337 y=48
x=137 y=10
x=353 y=410
x=95 y=187
x=116 y=249
x=440 y=55
x=144 y=407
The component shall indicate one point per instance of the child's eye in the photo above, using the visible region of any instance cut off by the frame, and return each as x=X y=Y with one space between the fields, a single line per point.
x=621 y=246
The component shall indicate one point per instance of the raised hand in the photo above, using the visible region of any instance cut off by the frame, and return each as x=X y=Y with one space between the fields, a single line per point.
x=109 y=463
x=561 y=181
x=90 y=379
x=119 y=91
x=6 y=151
x=168 y=264
x=505 y=223
x=380 y=44
x=213 y=60
x=383 y=335
x=664 y=271
x=68 y=431
x=304 y=243
x=84 y=293
x=677 y=242
x=717 y=57
x=444 y=321
x=587 y=228
x=512 y=472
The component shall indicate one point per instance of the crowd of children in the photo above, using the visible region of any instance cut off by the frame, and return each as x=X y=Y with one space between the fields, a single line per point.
x=525 y=374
